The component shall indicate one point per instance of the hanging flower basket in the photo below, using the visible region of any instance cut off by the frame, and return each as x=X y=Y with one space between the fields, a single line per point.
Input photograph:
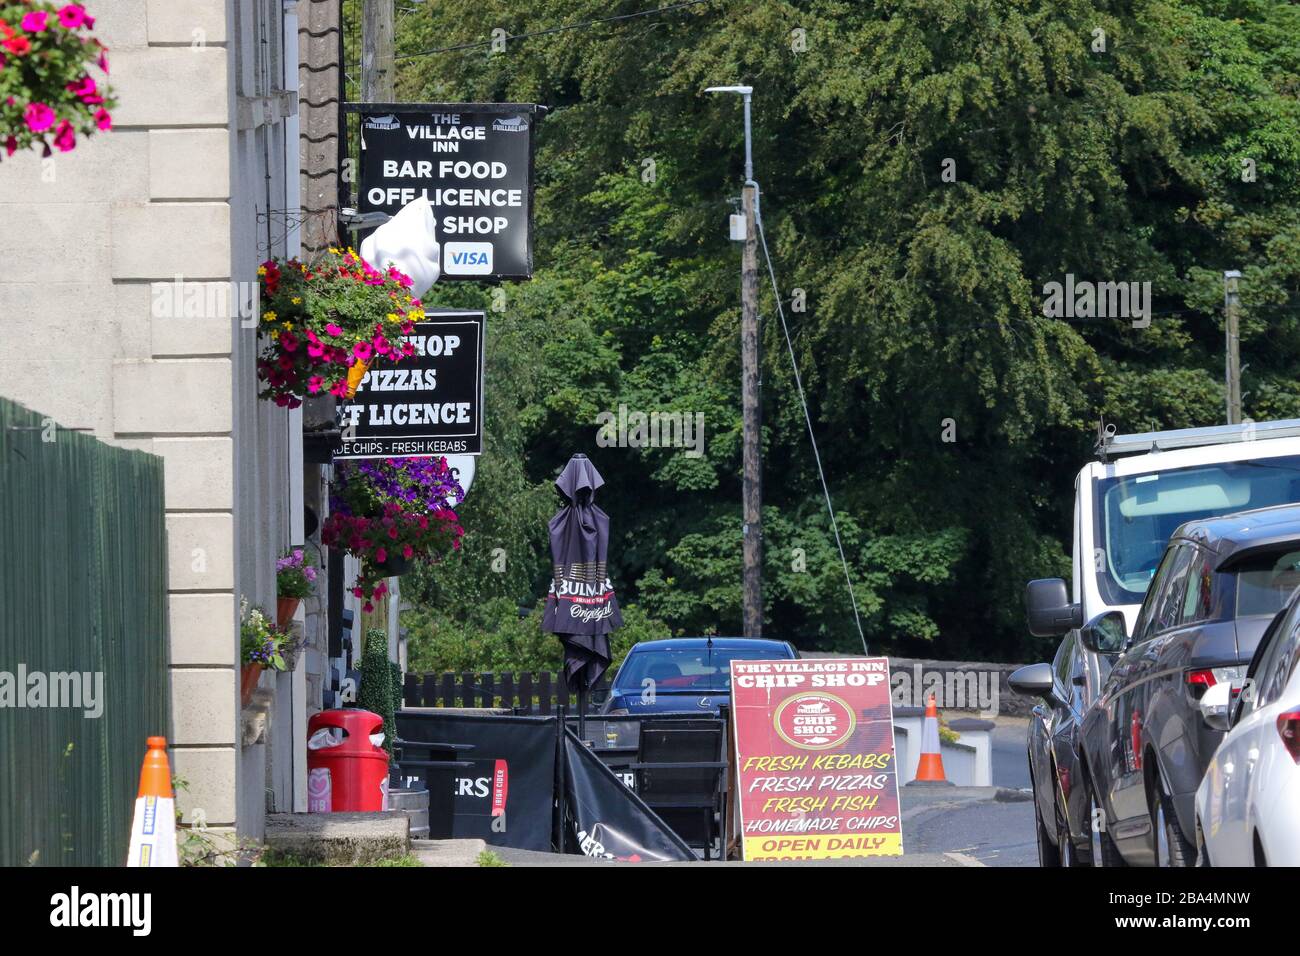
x=325 y=324
x=391 y=513
x=48 y=93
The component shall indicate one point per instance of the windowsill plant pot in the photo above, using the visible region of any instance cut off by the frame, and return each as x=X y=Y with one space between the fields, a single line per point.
x=249 y=675
x=285 y=609
x=261 y=646
x=295 y=579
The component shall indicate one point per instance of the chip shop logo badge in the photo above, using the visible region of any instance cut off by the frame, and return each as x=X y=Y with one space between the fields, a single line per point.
x=814 y=721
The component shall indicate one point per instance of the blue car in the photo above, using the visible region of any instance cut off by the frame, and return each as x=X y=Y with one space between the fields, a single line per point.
x=685 y=674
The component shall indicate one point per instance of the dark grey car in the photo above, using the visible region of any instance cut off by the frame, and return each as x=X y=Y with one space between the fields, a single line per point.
x=1066 y=688
x=1145 y=743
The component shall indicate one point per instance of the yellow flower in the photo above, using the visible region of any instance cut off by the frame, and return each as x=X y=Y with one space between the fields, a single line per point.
x=392 y=317
x=261 y=270
x=268 y=316
x=296 y=300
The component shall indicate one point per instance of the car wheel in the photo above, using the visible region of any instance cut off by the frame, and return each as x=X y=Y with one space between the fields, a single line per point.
x=1048 y=853
x=1172 y=848
x=1102 y=847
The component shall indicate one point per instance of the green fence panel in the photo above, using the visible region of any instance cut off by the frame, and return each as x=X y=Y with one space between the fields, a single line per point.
x=83 y=615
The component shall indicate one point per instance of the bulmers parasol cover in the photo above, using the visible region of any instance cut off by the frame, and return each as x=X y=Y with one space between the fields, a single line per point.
x=581 y=607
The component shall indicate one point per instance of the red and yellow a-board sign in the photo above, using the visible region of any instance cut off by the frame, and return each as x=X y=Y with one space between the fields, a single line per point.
x=815 y=769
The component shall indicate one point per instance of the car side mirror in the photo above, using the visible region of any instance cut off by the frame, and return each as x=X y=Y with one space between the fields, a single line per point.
x=1216 y=706
x=1034 y=680
x=1049 y=610
x=1105 y=634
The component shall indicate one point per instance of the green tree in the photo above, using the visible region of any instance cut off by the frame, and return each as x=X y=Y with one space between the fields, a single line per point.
x=928 y=166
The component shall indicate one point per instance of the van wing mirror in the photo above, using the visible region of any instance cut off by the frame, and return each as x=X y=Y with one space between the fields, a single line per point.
x=1105 y=634
x=1049 y=609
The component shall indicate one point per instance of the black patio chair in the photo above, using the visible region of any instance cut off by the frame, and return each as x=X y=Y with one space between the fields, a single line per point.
x=679 y=770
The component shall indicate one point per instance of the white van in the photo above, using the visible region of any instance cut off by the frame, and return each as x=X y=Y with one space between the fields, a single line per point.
x=1129 y=502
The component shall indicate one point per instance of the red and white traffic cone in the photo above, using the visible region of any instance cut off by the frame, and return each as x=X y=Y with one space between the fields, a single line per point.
x=153 y=833
x=929 y=771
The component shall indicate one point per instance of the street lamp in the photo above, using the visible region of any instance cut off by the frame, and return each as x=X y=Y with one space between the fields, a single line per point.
x=744 y=91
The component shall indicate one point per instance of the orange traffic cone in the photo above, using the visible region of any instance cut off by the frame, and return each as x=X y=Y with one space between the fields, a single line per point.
x=930 y=768
x=153 y=833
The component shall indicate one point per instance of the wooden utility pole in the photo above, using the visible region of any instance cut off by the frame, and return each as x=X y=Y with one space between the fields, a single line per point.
x=377 y=67
x=752 y=487
x=1231 y=318
x=377 y=86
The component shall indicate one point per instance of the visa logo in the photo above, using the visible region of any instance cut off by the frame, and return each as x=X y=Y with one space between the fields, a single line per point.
x=467 y=258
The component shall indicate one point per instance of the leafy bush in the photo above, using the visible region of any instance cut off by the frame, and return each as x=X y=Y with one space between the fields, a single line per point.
x=497 y=639
x=376 y=693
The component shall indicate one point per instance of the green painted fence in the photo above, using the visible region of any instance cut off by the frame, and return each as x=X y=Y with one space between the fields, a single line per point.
x=83 y=615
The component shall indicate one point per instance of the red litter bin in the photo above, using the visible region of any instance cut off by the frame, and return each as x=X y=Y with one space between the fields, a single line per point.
x=355 y=770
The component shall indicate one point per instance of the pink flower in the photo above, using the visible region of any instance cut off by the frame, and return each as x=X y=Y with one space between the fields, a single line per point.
x=407 y=551
x=34 y=22
x=333 y=329
x=39 y=117
x=315 y=384
x=66 y=138
x=102 y=119
x=11 y=145
x=73 y=16
x=87 y=90
x=103 y=62
x=381 y=555
x=362 y=351
x=288 y=341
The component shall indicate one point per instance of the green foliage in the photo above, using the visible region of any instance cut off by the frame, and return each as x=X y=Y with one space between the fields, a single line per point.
x=495 y=638
x=376 y=691
x=923 y=296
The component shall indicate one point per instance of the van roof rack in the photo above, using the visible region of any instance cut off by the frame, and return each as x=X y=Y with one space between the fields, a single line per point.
x=1110 y=444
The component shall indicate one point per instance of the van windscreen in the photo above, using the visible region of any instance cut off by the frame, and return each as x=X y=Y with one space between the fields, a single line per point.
x=1135 y=515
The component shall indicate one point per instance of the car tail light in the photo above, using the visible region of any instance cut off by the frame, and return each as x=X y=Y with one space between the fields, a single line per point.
x=1288 y=725
x=1199 y=681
